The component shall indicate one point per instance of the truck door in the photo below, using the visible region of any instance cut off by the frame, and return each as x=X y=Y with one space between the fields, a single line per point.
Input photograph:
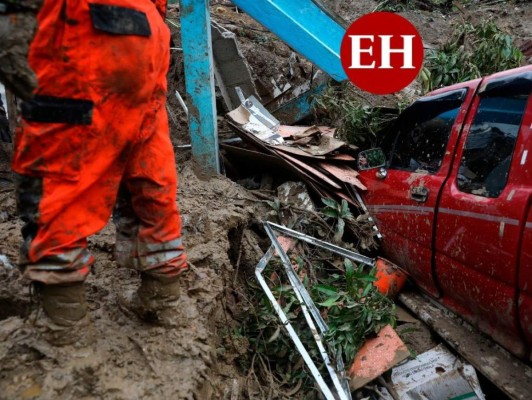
x=525 y=265
x=483 y=210
x=419 y=158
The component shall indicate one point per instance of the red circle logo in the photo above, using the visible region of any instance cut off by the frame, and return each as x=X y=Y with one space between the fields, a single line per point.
x=382 y=53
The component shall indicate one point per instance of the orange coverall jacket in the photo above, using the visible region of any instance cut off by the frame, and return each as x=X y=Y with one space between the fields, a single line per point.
x=96 y=127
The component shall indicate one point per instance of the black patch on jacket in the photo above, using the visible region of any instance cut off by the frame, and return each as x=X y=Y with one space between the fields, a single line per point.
x=58 y=109
x=119 y=20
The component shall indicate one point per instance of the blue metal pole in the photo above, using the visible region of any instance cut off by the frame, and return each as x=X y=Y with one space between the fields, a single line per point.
x=199 y=82
x=304 y=26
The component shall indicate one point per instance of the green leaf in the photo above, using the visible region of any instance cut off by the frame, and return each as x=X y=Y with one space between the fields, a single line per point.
x=330 y=202
x=330 y=213
x=330 y=302
x=349 y=272
x=327 y=290
x=345 y=207
x=360 y=276
x=367 y=289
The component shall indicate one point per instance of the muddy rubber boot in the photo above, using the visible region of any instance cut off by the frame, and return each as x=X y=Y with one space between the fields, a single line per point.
x=63 y=319
x=155 y=301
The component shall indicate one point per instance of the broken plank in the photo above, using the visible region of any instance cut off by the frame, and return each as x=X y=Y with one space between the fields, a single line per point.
x=344 y=174
x=287 y=131
x=310 y=170
x=298 y=152
x=341 y=157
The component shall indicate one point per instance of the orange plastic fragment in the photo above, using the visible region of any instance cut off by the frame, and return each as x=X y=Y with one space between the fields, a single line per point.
x=390 y=279
x=377 y=356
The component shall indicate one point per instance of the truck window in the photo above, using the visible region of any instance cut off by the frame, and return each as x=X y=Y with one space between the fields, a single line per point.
x=489 y=147
x=423 y=135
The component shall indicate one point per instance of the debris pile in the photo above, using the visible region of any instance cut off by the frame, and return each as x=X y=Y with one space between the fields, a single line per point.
x=313 y=154
x=330 y=302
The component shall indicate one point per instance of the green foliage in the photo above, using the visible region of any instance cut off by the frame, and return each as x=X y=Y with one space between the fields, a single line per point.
x=354 y=307
x=269 y=339
x=344 y=294
x=404 y=5
x=359 y=227
x=357 y=122
x=395 y=5
x=340 y=213
x=472 y=52
x=351 y=305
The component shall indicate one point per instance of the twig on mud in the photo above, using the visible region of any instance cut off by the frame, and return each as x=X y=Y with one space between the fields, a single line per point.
x=268 y=370
x=194 y=269
x=254 y=376
x=389 y=387
x=143 y=352
x=262 y=195
x=235 y=390
x=217 y=195
x=172 y=116
x=377 y=392
x=492 y=3
x=296 y=389
x=174 y=24
x=322 y=222
x=239 y=256
x=239 y=24
x=382 y=3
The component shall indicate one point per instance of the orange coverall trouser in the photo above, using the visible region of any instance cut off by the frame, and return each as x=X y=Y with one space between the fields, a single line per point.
x=98 y=124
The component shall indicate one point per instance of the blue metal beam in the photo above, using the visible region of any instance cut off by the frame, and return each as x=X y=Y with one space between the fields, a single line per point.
x=199 y=82
x=304 y=26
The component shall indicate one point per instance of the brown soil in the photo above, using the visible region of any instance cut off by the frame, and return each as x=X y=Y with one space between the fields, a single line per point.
x=132 y=359
x=436 y=26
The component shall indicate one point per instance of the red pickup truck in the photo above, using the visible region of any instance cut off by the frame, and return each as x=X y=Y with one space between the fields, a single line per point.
x=453 y=201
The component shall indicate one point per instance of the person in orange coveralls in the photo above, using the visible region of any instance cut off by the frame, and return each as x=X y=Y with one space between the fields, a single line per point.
x=95 y=137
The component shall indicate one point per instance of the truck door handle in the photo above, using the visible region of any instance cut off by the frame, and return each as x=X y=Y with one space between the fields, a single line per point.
x=419 y=194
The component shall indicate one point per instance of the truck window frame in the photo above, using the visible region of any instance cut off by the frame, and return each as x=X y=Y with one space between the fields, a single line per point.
x=489 y=147
x=443 y=102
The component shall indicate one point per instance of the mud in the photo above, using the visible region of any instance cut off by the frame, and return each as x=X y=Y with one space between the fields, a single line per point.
x=132 y=359
x=436 y=26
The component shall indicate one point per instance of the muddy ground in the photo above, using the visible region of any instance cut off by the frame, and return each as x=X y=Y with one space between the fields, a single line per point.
x=132 y=359
x=199 y=360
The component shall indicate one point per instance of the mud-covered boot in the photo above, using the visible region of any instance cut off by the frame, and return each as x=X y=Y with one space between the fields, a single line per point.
x=63 y=319
x=155 y=301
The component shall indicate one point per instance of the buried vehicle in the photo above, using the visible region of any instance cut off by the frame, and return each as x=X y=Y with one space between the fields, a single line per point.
x=451 y=190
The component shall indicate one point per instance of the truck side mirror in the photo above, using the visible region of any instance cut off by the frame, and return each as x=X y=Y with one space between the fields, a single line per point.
x=370 y=159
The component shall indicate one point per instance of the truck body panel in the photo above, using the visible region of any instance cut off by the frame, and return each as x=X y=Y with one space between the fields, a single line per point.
x=458 y=221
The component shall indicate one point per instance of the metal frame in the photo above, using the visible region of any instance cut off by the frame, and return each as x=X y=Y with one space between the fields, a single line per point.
x=324 y=245
x=288 y=326
x=310 y=311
